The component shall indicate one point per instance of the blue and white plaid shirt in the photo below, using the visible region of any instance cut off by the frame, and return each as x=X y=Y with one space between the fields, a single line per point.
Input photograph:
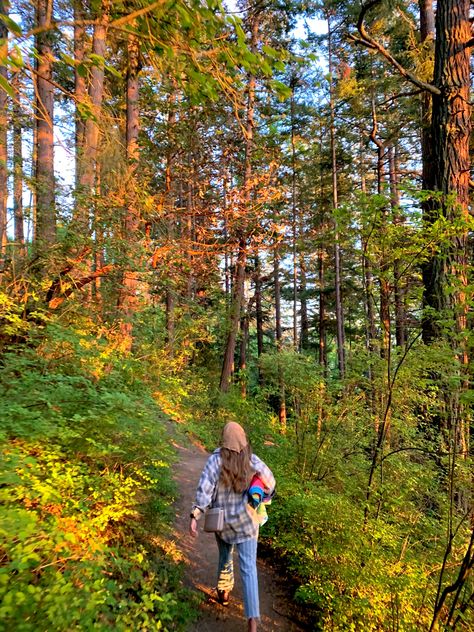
x=238 y=523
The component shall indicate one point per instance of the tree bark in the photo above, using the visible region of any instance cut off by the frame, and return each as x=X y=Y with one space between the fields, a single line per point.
x=384 y=282
x=427 y=19
x=322 y=258
x=237 y=299
x=294 y=219
x=450 y=165
x=244 y=339
x=190 y=227
x=258 y=305
x=87 y=168
x=368 y=281
x=277 y=290
x=3 y=137
x=371 y=333
x=227 y=272
x=340 y=336
x=304 y=322
x=80 y=89
x=445 y=275
x=399 y=294
x=128 y=298
x=239 y=285
x=170 y=222
x=18 y=216
x=427 y=34
x=45 y=234
x=299 y=279
x=278 y=336
x=323 y=355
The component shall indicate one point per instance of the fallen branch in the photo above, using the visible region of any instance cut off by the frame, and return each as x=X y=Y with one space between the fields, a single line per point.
x=56 y=284
x=78 y=284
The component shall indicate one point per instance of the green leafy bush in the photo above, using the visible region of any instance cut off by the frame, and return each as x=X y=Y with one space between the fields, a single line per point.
x=364 y=557
x=85 y=491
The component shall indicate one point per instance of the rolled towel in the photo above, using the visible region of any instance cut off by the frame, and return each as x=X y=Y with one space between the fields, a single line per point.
x=256 y=491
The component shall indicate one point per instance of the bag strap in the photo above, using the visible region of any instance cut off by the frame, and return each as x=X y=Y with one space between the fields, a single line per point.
x=216 y=488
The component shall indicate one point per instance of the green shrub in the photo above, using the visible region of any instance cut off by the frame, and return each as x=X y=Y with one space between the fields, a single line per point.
x=86 y=492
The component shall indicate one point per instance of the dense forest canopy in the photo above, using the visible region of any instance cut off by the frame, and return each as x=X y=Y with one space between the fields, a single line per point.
x=257 y=211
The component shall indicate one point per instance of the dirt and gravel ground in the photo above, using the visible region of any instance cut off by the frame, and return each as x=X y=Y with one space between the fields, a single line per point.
x=277 y=611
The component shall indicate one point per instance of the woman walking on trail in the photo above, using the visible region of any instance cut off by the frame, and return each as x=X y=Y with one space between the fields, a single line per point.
x=224 y=483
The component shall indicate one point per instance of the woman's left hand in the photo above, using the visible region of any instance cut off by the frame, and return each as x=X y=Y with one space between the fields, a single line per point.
x=193 y=530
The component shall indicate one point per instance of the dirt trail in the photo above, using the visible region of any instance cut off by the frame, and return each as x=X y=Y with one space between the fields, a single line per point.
x=201 y=562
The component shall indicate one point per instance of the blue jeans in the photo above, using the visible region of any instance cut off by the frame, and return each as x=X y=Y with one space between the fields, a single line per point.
x=248 y=571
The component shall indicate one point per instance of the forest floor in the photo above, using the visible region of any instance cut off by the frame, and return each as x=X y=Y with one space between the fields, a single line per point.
x=278 y=613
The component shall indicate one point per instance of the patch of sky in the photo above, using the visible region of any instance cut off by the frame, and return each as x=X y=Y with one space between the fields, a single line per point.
x=64 y=161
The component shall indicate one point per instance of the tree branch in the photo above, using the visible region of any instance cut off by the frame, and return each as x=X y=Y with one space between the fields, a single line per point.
x=136 y=14
x=55 y=285
x=367 y=40
x=464 y=570
x=56 y=302
x=411 y=93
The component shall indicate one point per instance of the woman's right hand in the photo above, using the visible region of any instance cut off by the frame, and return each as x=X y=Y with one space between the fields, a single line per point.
x=193 y=528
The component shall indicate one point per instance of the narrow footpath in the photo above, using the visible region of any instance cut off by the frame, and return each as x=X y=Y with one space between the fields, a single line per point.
x=200 y=555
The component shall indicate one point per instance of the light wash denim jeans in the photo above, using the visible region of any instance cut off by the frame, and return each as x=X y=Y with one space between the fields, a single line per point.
x=247 y=552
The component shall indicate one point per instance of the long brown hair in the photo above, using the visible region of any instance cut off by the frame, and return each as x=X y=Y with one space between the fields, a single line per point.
x=236 y=472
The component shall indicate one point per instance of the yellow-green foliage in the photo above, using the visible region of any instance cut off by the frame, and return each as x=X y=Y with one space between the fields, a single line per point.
x=85 y=491
x=361 y=562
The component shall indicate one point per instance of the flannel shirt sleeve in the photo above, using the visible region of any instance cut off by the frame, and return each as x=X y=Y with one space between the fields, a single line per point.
x=264 y=472
x=206 y=486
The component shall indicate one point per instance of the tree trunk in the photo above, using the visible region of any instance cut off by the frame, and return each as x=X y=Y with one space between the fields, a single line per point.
x=337 y=253
x=278 y=335
x=45 y=234
x=427 y=33
x=244 y=333
x=445 y=275
x=399 y=294
x=368 y=281
x=449 y=165
x=3 y=137
x=190 y=228
x=427 y=19
x=18 y=216
x=80 y=90
x=169 y=315
x=237 y=300
x=171 y=222
x=323 y=355
x=384 y=282
x=277 y=289
x=294 y=220
x=304 y=322
x=227 y=271
x=128 y=298
x=239 y=286
x=87 y=158
x=371 y=333
x=258 y=305
x=322 y=258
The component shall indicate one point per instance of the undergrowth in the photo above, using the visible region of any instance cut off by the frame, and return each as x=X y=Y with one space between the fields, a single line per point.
x=365 y=562
x=86 y=489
